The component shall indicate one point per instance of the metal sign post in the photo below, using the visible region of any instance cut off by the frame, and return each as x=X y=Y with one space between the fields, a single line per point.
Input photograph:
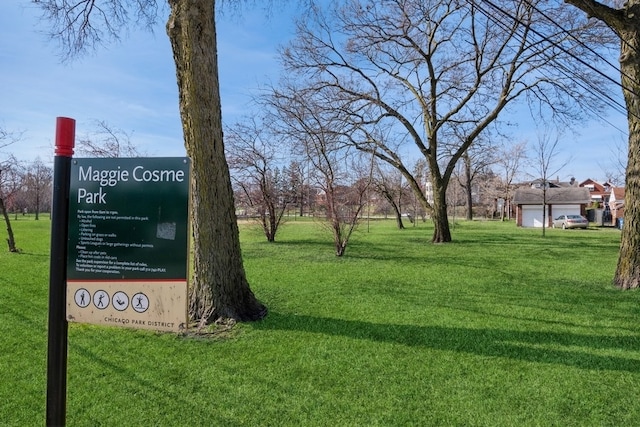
x=58 y=327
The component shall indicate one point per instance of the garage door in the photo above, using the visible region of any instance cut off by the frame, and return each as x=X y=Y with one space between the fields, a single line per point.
x=557 y=210
x=532 y=216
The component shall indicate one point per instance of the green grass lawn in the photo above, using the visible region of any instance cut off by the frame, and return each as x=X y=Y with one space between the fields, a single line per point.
x=502 y=327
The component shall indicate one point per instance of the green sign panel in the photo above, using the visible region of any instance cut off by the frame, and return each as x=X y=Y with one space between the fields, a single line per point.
x=128 y=219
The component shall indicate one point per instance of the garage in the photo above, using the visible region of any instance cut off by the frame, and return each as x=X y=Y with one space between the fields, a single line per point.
x=529 y=202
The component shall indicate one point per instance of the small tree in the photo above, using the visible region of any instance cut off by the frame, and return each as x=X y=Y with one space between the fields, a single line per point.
x=299 y=190
x=476 y=160
x=10 y=180
x=343 y=204
x=253 y=158
x=510 y=161
x=344 y=184
x=388 y=184
x=37 y=183
x=546 y=153
x=315 y=135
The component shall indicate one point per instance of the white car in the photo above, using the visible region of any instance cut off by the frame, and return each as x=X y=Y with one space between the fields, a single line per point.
x=570 y=221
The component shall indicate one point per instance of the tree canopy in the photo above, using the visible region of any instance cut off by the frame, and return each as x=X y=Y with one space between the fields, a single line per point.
x=432 y=77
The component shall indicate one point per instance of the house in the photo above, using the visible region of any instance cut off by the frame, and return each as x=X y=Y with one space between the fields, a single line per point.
x=599 y=193
x=559 y=200
x=616 y=204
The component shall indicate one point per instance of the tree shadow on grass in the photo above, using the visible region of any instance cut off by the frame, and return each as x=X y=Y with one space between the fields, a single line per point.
x=565 y=348
x=136 y=382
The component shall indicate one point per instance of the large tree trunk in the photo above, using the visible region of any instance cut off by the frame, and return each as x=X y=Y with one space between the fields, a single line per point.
x=441 y=231
x=10 y=239
x=628 y=271
x=219 y=288
x=626 y=23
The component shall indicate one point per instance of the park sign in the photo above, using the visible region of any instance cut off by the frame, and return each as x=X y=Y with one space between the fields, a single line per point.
x=128 y=241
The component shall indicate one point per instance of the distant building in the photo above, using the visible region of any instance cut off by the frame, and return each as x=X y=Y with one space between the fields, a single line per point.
x=559 y=200
x=616 y=204
x=600 y=193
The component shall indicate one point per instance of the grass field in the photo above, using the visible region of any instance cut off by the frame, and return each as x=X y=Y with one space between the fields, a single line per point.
x=502 y=327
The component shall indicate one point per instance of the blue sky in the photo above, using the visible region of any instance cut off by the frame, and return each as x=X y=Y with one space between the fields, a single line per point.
x=131 y=85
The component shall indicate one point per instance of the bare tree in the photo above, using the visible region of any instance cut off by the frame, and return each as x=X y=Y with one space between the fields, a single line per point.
x=420 y=171
x=107 y=141
x=615 y=171
x=392 y=61
x=342 y=177
x=343 y=203
x=254 y=157
x=510 y=162
x=10 y=181
x=489 y=198
x=37 y=182
x=476 y=160
x=299 y=186
x=7 y=138
x=546 y=165
x=344 y=184
x=220 y=289
x=388 y=184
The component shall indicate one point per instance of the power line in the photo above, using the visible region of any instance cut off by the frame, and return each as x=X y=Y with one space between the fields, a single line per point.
x=585 y=84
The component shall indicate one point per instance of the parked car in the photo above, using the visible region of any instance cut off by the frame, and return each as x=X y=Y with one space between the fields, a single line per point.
x=570 y=221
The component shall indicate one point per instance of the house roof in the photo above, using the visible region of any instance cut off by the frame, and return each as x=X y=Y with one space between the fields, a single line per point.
x=554 y=196
x=594 y=182
x=617 y=198
x=618 y=193
x=589 y=181
x=537 y=183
